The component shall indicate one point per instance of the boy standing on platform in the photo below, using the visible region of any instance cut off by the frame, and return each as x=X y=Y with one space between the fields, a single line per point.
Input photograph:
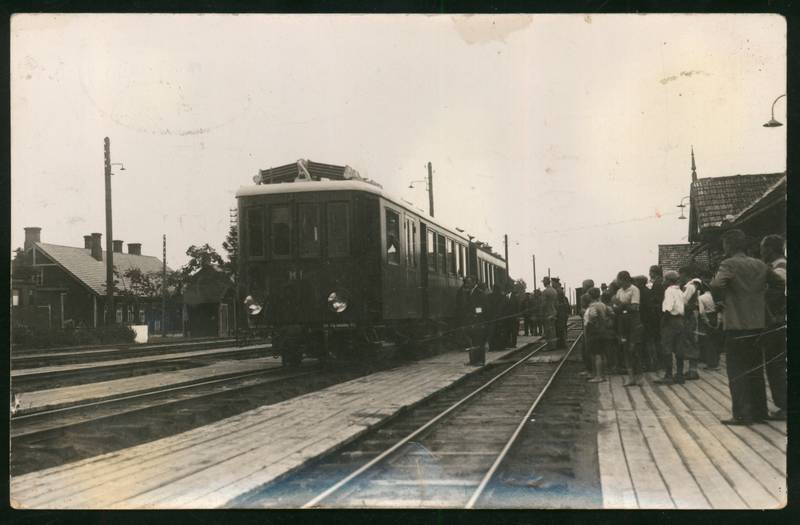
x=672 y=329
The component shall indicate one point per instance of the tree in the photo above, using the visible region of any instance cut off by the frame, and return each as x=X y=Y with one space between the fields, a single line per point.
x=231 y=245
x=201 y=257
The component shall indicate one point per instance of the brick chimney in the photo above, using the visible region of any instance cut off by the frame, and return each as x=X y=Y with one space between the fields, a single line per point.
x=117 y=246
x=97 y=247
x=87 y=242
x=32 y=234
x=134 y=248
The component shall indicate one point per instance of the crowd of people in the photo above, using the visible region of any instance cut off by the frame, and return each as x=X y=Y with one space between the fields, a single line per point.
x=680 y=322
x=493 y=319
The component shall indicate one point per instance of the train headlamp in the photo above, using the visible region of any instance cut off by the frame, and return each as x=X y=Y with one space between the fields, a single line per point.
x=253 y=308
x=337 y=302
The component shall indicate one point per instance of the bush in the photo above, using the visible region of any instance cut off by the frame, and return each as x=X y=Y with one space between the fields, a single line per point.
x=25 y=337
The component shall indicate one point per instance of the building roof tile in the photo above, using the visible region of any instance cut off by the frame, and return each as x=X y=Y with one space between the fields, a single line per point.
x=714 y=198
x=674 y=256
x=91 y=272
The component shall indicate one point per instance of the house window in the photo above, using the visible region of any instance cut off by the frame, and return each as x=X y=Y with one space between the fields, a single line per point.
x=142 y=318
x=281 y=231
x=255 y=232
x=309 y=230
x=130 y=318
x=119 y=314
x=15 y=297
x=338 y=229
x=431 y=246
x=392 y=237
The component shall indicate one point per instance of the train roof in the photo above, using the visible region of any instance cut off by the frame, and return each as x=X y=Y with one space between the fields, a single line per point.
x=353 y=184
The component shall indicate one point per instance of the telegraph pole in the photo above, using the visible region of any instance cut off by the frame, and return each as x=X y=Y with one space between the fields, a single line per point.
x=505 y=243
x=233 y=214
x=110 y=311
x=430 y=188
x=164 y=287
x=535 y=284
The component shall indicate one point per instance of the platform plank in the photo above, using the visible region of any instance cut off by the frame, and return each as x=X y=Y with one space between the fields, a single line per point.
x=617 y=487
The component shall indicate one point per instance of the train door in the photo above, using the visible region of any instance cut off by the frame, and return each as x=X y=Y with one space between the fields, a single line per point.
x=413 y=288
x=394 y=278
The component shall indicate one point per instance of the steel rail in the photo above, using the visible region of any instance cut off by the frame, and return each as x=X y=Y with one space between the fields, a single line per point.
x=414 y=434
x=490 y=473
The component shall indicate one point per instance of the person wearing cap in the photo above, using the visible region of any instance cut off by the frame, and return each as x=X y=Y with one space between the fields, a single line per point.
x=629 y=327
x=583 y=305
x=691 y=284
x=672 y=331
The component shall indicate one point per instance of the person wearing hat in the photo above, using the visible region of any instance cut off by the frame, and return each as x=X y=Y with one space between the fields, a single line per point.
x=629 y=327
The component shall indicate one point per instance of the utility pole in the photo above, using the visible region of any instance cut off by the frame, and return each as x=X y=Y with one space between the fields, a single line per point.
x=430 y=188
x=164 y=287
x=505 y=243
x=548 y=272
x=110 y=311
x=535 y=283
x=233 y=214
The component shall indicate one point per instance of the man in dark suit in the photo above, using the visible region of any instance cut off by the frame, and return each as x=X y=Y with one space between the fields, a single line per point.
x=741 y=283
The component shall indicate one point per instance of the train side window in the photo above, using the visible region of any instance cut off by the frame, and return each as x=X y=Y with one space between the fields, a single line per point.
x=461 y=260
x=281 y=231
x=431 y=245
x=255 y=232
x=413 y=244
x=309 y=230
x=338 y=229
x=452 y=263
x=392 y=237
x=441 y=260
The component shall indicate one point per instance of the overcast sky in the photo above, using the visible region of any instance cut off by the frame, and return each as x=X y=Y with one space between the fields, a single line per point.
x=570 y=133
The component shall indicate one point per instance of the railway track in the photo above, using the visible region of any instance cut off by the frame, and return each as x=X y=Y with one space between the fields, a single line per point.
x=444 y=452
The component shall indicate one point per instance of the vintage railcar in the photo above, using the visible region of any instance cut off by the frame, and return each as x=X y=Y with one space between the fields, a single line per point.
x=334 y=265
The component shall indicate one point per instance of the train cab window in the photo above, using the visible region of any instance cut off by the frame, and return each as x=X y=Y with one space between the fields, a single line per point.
x=452 y=262
x=431 y=250
x=255 y=232
x=309 y=230
x=338 y=230
x=441 y=261
x=281 y=231
x=392 y=237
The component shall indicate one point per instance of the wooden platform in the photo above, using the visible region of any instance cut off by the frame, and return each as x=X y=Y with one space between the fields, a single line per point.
x=53 y=398
x=209 y=466
x=663 y=447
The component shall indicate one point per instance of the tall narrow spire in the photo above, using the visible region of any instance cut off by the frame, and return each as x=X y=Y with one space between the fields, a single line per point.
x=694 y=169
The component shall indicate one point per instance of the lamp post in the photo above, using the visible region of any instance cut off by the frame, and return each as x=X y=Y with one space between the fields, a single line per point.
x=111 y=313
x=682 y=206
x=772 y=123
x=428 y=187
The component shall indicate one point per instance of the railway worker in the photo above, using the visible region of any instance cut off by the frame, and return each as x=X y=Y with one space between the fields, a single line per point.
x=463 y=310
x=513 y=310
x=495 y=310
x=652 y=332
x=690 y=282
x=741 y=284
x=538 y=324
x=773 y=340
x=672 y=339
x=476 y=322
x=598 y=329
x=549 y=300
x=527 y=313
x=629 y=326
x=585 y=301
x=562 y=314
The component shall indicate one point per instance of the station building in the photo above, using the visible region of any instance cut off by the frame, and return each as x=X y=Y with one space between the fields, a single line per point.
x=55 y=286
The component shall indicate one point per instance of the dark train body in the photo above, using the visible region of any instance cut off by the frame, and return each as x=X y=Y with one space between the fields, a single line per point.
x=339 y=265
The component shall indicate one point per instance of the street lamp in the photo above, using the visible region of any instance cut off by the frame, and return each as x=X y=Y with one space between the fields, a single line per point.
x=110 y=311
x=772 y=123
x=682 y=206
